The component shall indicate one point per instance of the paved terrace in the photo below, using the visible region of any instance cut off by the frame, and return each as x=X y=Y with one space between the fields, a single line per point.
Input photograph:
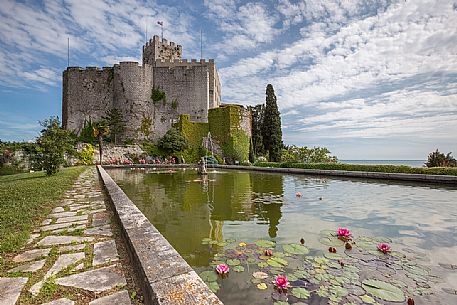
x=72 y=258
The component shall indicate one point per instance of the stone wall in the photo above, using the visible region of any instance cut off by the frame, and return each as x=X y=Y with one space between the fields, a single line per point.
x=87 y=94
x=190 y=88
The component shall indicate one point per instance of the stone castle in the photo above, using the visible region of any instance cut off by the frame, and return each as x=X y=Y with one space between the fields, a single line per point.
x=151 y=96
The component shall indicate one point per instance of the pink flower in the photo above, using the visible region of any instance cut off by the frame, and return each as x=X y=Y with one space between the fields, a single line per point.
x=268 y=252
x=384 y=248
x=222 y=269
x=342 y=232
x=298 y=194
x=282 y=282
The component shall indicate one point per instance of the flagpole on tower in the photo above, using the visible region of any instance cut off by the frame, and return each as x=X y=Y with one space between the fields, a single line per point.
x=161 y=27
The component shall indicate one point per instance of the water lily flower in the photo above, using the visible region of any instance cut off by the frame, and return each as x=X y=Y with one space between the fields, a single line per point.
x=298 y=194
x=344 y=233
x=384 y=248
x=268 y=252
x=222 y=269
x=281 y=282
x=242 y=244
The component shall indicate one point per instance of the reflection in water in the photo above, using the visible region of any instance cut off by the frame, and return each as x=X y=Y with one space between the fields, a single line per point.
x=248 y=206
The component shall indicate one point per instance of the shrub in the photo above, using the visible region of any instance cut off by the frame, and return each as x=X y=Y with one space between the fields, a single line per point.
x=173 y=141
x=437 y=159
x=86 y=156
x=157 y=95
x=53 y=143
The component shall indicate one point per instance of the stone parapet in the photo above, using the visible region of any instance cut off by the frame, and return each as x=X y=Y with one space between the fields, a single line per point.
x=164 y=276
x=443 y=179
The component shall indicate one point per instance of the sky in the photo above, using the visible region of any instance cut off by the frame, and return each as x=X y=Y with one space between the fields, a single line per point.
x=368 y=79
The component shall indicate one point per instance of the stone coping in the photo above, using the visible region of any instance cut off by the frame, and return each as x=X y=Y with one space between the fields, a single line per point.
x=163 y=275
x=349 y=174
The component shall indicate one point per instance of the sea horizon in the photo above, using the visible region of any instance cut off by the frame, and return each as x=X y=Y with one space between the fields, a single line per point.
x=407 y=162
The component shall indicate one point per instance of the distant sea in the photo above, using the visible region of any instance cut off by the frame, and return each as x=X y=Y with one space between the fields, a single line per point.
x=412 y=163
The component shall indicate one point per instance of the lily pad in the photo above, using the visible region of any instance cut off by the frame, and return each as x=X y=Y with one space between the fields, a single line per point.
x=367 y=299
x=238 y=268
x=208 y=276
x=333 y=255
x=233 y=262
x=383 y=290
x=277 y=262
x=262 y=286
x=260 y=275
x=262 y=264
x=265 y=243
x=300 y=293
x=295 y=249
x=213 y=286
x=331 y=241
x=280 y=303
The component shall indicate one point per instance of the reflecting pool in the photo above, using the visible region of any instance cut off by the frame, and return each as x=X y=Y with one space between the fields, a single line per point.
x=233 y=217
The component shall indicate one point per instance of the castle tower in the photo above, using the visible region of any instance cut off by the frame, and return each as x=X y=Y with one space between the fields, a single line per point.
x=156 y=49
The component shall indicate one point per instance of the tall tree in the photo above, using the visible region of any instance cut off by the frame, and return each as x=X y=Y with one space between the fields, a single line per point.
x=271 y=130
x=116 y=123
x=257 y=112
x=101 y=129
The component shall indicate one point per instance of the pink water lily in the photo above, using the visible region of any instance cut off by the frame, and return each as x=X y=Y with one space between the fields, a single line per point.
x=281 y=282
x=268 y=252
x=384 y=248
x=344 y=233
x=222 y=269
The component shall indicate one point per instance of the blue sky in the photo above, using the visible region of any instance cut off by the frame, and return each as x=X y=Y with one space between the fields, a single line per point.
x=369 y=79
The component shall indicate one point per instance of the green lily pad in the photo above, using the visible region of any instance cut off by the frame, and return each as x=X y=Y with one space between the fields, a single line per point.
x=280 y=303
x=213 y=286
x=367 y=299
x=238 y=268
x=383 y=290
x=233 y=262
x=295 y=249
x=331 y=241
x=262 y=264
x=339 y=292
x=277 y=262
x=265 y=243
x=222 y=244
x=251 y=260
x=301 y=274
x=300 y=293
x=291 y=277
x=333 y=255
x=208 y=276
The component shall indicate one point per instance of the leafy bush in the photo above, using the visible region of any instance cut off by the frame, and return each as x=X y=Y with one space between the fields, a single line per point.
x=307 y=155
x=437 y=159
x=87 y=133
x=53 y=143
x=173 y=141
x=157 y=95
x=86 y=156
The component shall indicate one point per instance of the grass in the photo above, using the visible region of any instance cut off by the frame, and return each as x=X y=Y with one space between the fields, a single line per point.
x=452 y=171
x=25 y=199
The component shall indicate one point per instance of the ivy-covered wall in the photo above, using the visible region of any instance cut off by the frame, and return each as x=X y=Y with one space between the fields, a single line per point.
x=194 y=133
x=227 y=125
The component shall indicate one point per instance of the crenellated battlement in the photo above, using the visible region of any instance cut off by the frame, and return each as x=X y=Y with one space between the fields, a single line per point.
x=191 y=86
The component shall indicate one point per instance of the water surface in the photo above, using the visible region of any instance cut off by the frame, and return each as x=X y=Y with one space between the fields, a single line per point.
x=248 y=206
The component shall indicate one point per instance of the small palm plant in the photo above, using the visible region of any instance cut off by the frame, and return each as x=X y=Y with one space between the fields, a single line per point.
x=101 y=129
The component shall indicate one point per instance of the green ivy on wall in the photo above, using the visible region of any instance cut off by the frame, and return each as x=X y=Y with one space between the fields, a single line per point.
x=158 y=95
x=224 y=125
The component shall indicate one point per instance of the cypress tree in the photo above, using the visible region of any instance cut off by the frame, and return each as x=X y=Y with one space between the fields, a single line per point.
x=271 y=129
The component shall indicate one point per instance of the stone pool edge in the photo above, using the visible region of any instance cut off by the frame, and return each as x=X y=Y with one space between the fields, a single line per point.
x=350 y=174
x=163 y=275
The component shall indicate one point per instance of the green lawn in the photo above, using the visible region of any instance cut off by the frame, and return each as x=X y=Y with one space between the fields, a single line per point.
x=25 y=200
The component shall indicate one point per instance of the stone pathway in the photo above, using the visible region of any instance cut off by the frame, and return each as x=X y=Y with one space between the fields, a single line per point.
x=71 y=258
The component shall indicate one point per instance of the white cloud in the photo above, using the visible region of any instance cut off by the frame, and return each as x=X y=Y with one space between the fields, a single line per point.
x=244 y=27
x=43 y=75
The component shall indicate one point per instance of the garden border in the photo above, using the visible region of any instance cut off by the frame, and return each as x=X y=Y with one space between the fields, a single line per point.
x=164 y=276
x=446 y=179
